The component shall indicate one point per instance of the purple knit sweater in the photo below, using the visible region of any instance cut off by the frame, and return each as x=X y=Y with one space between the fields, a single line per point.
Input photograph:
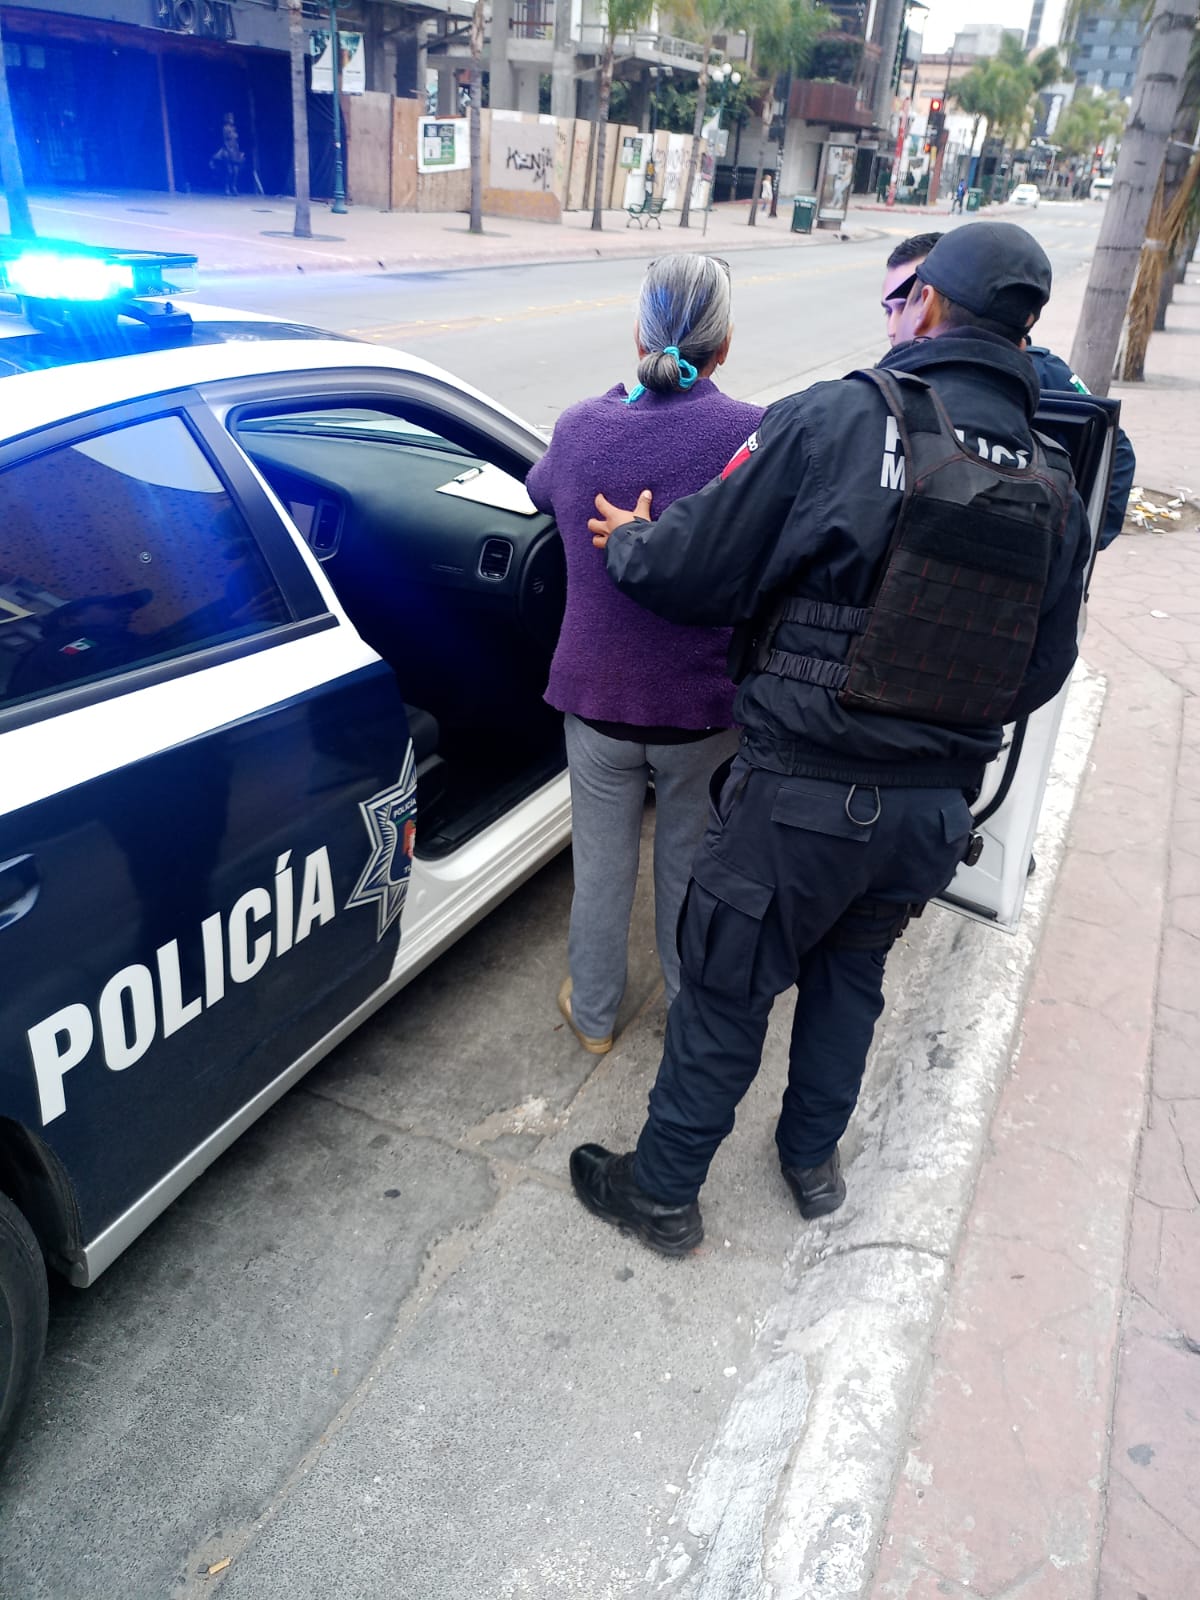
x=616 y=662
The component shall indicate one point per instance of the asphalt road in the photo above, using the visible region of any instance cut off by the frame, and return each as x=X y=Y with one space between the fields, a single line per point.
x=538 y=338
x=378 y=1351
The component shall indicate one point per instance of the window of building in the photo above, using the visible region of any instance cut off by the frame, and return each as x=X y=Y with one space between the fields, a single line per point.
x=120 y=550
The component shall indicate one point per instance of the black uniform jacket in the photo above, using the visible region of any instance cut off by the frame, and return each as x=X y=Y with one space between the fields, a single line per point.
x=807 y=508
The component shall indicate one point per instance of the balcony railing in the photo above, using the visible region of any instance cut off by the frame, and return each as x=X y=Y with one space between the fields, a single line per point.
x=835 y=103
x=532 y=19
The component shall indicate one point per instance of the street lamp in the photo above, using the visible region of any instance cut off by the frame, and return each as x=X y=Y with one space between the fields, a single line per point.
x=338 y=208
x=657 y=74
x=724 y=75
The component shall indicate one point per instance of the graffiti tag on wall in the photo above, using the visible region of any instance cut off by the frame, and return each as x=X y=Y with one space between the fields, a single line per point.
x=522 y=156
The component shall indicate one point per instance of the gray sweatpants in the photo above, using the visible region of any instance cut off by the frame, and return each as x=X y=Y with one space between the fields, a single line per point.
x=608 y=796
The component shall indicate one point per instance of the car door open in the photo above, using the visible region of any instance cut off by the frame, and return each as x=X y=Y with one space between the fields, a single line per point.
x=992 y=888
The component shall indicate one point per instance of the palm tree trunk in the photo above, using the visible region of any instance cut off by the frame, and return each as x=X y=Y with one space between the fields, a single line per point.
x=1156 y=95
x=606 y=78
x=20 y=222
x=476 y=223
x=693 y=159
x=302 y=227
x=762 y=161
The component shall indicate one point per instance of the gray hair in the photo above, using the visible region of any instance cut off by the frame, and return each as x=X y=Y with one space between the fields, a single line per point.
x=685 y=302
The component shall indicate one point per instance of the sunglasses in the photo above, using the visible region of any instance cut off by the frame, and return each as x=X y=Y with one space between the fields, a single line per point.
x=901 y=292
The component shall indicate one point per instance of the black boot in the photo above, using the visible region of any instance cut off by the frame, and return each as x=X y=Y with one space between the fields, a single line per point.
x=818 y=1190
x=606 y=1185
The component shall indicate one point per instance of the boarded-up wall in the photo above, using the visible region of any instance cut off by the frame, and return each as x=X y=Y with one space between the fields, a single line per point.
x=369 y=149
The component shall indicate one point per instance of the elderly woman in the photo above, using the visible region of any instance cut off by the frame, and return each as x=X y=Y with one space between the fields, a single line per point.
x=644 y=698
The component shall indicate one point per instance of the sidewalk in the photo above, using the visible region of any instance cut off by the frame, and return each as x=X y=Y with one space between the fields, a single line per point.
x=1052 y=1453
x=253 y=233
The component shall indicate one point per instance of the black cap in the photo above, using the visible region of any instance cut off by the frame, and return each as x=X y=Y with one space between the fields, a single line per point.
x=993 y=269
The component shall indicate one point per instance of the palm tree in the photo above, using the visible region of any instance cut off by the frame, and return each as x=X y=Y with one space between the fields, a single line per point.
x=784 y=32
x=476 y=222
x=20 y=222
x=302 y=226
x=1157 y=94
x=706 y=18
x=624 y=16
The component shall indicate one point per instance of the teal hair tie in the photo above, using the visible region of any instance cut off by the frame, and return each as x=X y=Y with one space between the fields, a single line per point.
x=639 y=390
x=687 y=372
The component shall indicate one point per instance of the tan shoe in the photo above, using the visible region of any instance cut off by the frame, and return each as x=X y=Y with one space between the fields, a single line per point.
x=595 y=1047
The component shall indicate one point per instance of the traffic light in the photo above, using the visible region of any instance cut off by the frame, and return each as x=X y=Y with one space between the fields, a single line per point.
x=936 y=121
x=935 y=105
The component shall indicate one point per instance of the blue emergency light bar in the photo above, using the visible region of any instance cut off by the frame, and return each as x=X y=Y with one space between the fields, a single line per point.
x=61 y=284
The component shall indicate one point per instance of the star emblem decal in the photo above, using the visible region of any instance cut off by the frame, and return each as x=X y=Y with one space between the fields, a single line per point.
x=390 y=818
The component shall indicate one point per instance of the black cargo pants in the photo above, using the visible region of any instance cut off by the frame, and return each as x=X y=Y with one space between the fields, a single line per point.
x=798 y=881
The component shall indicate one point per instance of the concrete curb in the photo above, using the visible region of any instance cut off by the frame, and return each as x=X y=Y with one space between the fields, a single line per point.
x=639 y=247
x=789 y=1501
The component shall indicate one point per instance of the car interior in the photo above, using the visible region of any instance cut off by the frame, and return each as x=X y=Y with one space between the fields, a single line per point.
x=450 y=574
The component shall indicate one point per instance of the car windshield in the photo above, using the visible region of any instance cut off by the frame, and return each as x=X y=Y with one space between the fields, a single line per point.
x=355 y=424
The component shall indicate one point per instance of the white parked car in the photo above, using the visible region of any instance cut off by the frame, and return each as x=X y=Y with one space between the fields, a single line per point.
x=1025 y=194
x=1101 y=188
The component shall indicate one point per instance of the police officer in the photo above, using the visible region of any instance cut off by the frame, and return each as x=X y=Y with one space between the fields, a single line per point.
x=1053 y=373
x=899 y=595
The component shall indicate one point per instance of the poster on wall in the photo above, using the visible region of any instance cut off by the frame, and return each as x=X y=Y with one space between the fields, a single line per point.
x=352 y=63
x=631 y=153
x=443 y=144
x=836 y=182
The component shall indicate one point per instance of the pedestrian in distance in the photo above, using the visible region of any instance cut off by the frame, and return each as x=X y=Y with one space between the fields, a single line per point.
x=857 y=545
x=768 y=189
x=960 y=194
x=1053 y=373
x=644 y=698
x=228 y=159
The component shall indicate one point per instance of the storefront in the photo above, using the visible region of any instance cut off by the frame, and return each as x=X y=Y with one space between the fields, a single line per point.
x=113 y=105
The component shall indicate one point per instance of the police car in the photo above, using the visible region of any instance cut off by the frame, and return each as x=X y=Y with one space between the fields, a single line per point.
x=276 y=616
x=266 y=597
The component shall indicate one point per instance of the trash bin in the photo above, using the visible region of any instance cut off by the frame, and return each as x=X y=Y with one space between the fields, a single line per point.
x=804 y=209
x=974 y=196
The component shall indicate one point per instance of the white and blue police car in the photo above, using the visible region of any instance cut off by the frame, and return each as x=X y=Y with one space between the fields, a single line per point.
x=276 y=616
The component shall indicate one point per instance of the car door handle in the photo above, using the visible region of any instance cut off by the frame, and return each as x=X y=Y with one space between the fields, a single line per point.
x=19 y=888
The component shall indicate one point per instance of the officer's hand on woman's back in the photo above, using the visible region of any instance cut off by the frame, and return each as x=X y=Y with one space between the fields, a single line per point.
x=612 y=517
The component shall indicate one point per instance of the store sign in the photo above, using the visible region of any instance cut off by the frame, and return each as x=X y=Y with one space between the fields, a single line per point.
x=443 y=144
x=352 y=62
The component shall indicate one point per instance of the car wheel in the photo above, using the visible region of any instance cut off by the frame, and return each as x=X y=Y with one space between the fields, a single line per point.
x=24 y=1309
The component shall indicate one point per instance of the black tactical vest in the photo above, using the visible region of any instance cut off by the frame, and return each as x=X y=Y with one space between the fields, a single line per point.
x=949 y=627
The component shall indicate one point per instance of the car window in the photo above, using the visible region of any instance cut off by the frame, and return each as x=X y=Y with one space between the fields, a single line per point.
x=353 y=422
x=119 y=550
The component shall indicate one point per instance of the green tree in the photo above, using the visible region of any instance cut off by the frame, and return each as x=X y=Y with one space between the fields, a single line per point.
x=302 y=227
x=624 y=16
x=787 y=33
x=704 y=19
x=20 y=222
x=1088 y=121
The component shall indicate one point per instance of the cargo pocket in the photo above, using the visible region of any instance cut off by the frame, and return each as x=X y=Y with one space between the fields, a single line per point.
x=721 y=927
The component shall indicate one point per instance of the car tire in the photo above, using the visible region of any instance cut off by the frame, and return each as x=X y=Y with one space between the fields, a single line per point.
x=24 y=1311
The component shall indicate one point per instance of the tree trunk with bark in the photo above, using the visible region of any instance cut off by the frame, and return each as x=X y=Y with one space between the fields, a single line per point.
x=476 y=223
x=1156 y=95
x=20 y=222
x=693 y=159
x=302 y=227
x=606 y=78
x=761 y=166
